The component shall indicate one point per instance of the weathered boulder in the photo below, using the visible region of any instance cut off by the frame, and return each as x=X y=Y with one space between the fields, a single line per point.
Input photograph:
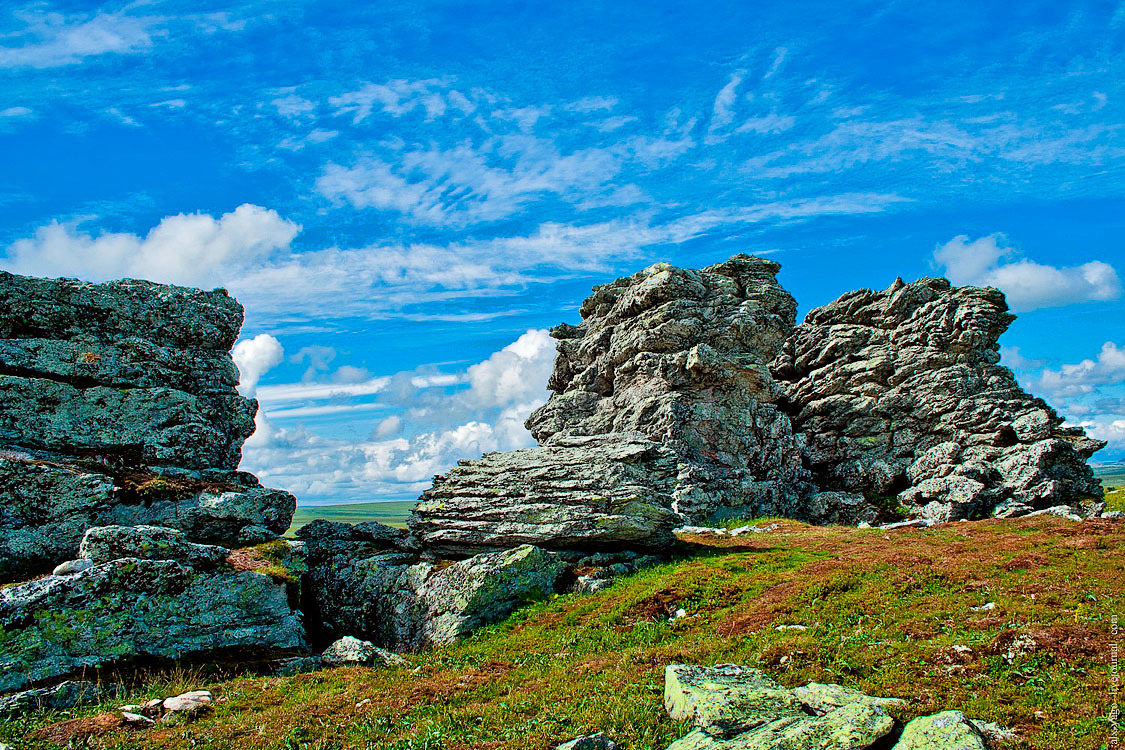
x=106 y=543
x=681 y=357
x=739 y=708
x=351 y=651
x=129 y=609
x=401 y=602
x=118 y=406
x=900 y=397
x=948 y=730
x=603 y=491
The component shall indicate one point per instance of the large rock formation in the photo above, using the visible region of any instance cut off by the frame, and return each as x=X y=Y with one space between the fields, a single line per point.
x=900 y=396
x=689 y=396
x=118 y=406
x=666 y=376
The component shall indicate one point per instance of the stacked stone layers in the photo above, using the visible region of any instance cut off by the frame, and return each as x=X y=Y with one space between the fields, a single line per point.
x=899 y=396
x=667 y=363
x=118 y=405
x=577 y=492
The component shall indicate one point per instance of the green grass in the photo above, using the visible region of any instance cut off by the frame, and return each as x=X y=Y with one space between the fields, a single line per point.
x=883 y=612
x=392 y=514
x=1113 y=480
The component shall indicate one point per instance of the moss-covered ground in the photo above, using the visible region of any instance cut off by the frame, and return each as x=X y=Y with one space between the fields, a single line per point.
x=903 y=613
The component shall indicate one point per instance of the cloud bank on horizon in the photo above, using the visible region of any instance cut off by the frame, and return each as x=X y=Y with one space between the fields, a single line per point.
x=405 y=206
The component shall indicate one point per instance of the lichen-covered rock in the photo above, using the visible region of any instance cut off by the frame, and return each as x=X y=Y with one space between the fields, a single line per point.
x=725 y=699
x=739 y=708
x=948 y=730
x=581 y=492
x=852 y=727
x=821 y=698
x=597 y=741
x=132 y=608
x=400 y=602
x=483 y=589
x=900 y=397
x=352 y=651
x=118 y=405
x=105 y=543
x=680 y=356
x=69 y=694
x=46 y=506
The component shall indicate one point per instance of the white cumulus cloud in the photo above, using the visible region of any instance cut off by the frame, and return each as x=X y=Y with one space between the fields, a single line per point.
x=1108 y=368
x=517 y=373
x=255 y=357
x=192 y=249
x=989 y=261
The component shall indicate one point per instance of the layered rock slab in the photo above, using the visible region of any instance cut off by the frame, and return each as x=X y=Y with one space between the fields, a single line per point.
x=118 y=405
x=131 y=608
x=578 y=492
x=900 y=396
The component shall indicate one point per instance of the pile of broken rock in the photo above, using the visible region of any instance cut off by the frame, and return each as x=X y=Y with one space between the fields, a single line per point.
x=683 y=398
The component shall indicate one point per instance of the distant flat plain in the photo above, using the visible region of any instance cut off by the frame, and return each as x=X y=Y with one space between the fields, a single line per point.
x=390 y=513
x=396 y=513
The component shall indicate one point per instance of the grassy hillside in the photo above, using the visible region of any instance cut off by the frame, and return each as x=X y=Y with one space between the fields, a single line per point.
x=887 y=612
x=392 y=514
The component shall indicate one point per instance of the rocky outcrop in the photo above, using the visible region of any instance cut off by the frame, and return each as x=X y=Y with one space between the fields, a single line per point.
x=364 y=588
x=130 y=608
x=118 y=406
x=687 y=397
x=667 y=376
x=900 y=397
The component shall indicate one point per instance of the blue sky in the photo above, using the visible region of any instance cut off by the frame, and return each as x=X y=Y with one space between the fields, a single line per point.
x=405 y=196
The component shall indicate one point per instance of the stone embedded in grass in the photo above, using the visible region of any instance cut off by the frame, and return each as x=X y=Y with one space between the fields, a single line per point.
x=136 y=719
x=822 y=698
x=948 y=730
x=352 y=651
x=192 y=702
x=856 y=726
x=725 y=699
x=597 y=741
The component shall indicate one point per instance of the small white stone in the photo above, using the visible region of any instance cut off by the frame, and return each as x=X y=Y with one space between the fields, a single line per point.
x=70 y=567
x=135 y=718
x=791 y=627
x=189 y=703
x=984 y=607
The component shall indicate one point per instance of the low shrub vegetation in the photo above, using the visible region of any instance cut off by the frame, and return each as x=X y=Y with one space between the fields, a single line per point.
x=1008 y=621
